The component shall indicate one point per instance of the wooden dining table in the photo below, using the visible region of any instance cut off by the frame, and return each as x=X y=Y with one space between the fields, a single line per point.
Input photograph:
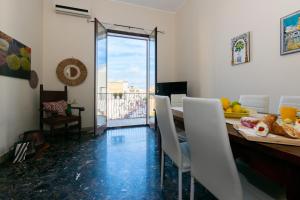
x=280 y=163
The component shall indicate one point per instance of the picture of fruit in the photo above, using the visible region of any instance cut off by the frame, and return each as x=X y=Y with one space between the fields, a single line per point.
x=15 y=57
x=5 y=37
x=4 y=45
x=25 y=52
x=13 y=62
x=225 y=103
x=2 y=58
x=25 y=64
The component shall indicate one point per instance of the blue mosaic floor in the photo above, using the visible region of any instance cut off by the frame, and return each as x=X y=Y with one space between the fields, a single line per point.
x=121 y=164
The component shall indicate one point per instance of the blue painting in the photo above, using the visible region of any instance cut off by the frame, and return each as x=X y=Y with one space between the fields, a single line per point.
x=290 y=33
x=15 y=58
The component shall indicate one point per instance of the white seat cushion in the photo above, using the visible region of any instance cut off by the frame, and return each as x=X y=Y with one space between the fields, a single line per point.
x=186 y=161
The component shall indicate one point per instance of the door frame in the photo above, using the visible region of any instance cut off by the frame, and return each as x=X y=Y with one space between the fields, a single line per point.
x=96 y=128
x=124 y=33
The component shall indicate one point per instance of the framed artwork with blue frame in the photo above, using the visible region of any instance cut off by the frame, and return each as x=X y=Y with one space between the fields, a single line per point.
x=290 y=34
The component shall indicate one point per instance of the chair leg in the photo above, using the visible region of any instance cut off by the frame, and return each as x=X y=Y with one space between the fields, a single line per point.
x=66 y=128
x=162 y=165
x=192 y=192
x=51 y=130
x=66 y=133
x=179 y=184
x=79 y=130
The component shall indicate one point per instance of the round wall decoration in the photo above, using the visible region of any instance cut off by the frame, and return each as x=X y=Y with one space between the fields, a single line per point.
x=71 y=72
x=34 y=79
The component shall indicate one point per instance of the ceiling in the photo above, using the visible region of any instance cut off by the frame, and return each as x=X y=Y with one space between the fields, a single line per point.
x=166 y=5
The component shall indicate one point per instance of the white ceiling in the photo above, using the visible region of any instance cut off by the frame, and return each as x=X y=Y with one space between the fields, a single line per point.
x=167 y=5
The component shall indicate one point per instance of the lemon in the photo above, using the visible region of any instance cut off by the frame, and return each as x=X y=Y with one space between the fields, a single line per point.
x=25 y=64
x=225 y=103
x=237 y=108
x=244 y=110
x=228 y=110
x=13 y=62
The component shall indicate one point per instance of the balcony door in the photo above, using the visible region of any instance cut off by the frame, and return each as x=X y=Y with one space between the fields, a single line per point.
x=100 y=77
x=125 y=78
x=152 y=76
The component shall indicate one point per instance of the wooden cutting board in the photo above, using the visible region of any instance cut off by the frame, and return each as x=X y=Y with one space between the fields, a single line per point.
x=250 y=135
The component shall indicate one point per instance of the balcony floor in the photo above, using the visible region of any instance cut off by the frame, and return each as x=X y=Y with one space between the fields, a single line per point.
x=121 y=122
x=126 y=122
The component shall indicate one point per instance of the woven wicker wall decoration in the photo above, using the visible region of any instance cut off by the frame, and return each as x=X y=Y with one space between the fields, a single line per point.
x=71 y=72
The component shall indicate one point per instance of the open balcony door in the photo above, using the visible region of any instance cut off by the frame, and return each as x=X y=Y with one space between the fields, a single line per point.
x=152 y=78
x=100 y=78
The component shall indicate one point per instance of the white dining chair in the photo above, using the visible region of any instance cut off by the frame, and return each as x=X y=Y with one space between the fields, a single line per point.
x=293 y=101
x=260 y=103
x=177 y=100
x=178 y=152
x=212 y=162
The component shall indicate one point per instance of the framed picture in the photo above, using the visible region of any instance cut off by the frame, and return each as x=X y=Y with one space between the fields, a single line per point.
x=240 y=47
x=15 y=58
x=290 y=33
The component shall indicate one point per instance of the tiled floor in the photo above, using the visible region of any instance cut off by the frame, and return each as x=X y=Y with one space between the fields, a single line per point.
x=121 y=164
x=126 y=122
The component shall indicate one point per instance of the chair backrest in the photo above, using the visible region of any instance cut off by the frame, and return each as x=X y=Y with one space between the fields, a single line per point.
x=50 y=96
x=177 y=100
x=258 y=102
x=293 y=101
x=212 y=162
x=169 y=138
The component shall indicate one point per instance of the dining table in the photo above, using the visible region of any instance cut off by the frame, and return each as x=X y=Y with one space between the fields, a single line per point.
x=277 y=162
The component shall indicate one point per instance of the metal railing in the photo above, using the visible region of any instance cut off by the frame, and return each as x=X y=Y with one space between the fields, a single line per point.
x=123 y=105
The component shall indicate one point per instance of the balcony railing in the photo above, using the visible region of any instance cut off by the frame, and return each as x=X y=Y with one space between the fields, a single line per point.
x=123 y=105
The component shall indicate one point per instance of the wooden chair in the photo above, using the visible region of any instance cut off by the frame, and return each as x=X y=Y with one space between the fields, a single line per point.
x=52 y=119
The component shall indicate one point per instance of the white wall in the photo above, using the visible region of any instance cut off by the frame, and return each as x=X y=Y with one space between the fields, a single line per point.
x=66 y=36
x=18 y=102
x=204 y=30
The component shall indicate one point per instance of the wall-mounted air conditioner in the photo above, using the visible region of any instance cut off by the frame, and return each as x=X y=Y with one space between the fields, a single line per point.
x=72 y=10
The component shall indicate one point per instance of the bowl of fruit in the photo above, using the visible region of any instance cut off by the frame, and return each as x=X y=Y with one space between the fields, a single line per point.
x=233 y=109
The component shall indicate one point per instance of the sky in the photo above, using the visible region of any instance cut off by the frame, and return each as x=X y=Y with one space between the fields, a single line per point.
x=292 y=21
x=127 y=60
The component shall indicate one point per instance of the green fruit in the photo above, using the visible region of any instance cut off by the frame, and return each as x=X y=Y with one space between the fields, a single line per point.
x=13 y=62
x=25 y=64
x=24 y=52
x=235 y=103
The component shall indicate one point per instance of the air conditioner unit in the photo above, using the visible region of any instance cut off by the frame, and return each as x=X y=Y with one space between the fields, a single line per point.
x=71 y=10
